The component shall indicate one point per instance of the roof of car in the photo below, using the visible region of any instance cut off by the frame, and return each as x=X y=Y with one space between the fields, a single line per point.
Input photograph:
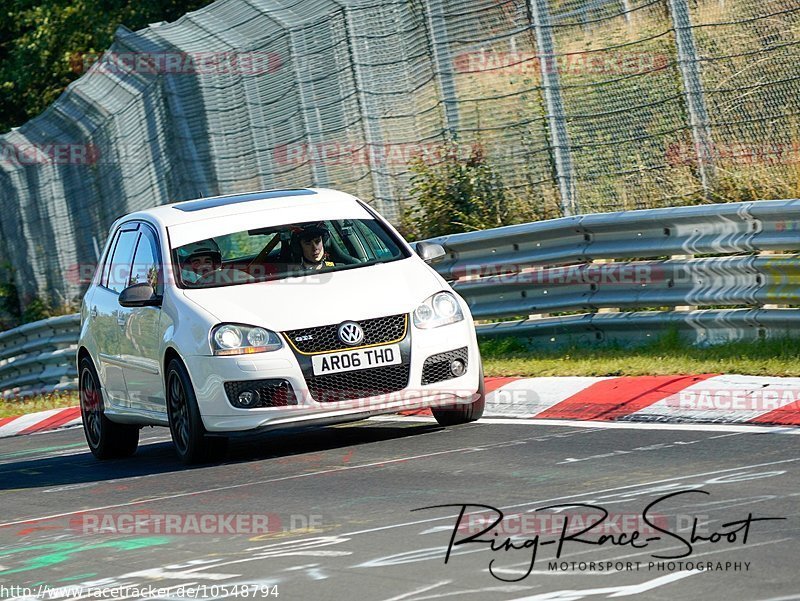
x=220 y=206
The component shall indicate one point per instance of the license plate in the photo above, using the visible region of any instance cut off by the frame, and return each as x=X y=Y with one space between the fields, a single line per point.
x=352 y=360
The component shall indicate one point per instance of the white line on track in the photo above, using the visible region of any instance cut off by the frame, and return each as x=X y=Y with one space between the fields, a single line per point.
x=754 y=429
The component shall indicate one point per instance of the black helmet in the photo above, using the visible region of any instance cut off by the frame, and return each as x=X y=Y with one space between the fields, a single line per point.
x=204 y=247
x=314 y=230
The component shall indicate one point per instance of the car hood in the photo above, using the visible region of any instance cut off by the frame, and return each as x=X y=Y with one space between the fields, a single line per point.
x=294 y=303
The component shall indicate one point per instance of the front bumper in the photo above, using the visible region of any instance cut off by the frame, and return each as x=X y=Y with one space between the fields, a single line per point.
x=209 y=375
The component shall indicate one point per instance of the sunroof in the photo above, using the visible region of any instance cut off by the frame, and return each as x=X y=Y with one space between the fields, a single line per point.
x=211 y=203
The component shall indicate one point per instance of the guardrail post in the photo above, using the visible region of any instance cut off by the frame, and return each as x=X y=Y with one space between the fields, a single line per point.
x=684 y=307
x=539 y=16
x=605 y=262
x=772 y=305
x=693 y=87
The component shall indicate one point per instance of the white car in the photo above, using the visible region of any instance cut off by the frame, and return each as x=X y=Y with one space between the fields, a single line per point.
x=247 y=312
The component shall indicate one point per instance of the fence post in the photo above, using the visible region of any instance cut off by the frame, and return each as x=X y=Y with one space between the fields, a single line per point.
x=440 y=43
x=539 y=16
x=371 y=127
x=693 y=86
x=626 y=9
x=313 y=133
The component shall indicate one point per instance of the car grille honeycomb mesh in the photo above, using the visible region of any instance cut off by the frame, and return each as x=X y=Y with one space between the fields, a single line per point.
x=358 y=384
x=437 y=367
x=325 y=339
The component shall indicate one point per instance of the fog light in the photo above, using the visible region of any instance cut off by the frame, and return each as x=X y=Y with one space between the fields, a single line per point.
x=458 y=367
x=248 y=398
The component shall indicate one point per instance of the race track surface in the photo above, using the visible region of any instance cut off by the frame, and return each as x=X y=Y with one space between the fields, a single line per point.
x=335 y=507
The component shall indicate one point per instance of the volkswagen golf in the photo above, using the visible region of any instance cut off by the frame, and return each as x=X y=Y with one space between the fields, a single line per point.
x=250 y=312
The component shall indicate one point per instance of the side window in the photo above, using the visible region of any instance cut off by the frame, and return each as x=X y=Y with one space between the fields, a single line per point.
x=337 y=239
x=375 y=243
x=120 y=267
x=107 y=259
x=146 y=265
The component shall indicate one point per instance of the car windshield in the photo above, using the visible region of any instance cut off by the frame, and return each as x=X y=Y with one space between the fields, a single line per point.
x=291 y=250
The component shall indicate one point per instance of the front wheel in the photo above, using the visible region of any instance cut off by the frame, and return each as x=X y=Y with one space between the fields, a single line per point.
x=189 y=436
x=452 y=415
x=106 y=439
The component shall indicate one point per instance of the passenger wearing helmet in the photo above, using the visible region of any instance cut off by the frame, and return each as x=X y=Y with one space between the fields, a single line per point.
x=200 y=259
x=312 y=244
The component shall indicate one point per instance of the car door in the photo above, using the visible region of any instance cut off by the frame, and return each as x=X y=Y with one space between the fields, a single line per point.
x=105 y=311
x=140 y=331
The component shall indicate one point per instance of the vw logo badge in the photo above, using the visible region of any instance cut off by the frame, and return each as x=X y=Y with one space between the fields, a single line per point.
x=350 y=333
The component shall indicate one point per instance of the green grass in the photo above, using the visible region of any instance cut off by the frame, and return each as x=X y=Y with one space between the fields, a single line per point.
x=14 y=407
x=509 y=357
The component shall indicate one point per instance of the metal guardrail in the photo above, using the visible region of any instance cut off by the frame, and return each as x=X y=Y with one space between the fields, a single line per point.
x=635 y=260
x=594 y=263
x=39 y=357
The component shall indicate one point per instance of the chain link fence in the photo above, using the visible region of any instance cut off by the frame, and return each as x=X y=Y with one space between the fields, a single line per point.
x=581 y=105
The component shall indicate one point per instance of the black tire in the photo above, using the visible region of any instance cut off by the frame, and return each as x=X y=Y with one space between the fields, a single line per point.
x=192 y=443
x=452 y=415
x=106 y=439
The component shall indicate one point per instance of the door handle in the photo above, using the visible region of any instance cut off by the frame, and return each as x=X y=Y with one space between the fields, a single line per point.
x=93 y=312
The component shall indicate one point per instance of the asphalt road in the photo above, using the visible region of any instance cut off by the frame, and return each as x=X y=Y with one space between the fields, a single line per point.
x=340 y=521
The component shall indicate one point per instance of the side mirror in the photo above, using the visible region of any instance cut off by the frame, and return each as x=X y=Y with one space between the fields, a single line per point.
x=139 y=295
x=430 y=252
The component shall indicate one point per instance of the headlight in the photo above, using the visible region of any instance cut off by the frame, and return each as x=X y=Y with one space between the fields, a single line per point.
x=235 y=339
x=438 y=310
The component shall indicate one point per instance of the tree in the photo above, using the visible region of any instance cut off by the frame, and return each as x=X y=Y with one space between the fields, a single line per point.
x=10 y=310
x=43 y=44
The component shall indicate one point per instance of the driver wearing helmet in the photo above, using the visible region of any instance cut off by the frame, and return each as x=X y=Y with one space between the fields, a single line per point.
x=201 y=259
x=313 y=238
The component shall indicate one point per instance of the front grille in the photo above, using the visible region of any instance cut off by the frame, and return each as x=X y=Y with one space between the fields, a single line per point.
x=437 y=367
x=272 y=393
x=358 y=384
x=325 y=339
